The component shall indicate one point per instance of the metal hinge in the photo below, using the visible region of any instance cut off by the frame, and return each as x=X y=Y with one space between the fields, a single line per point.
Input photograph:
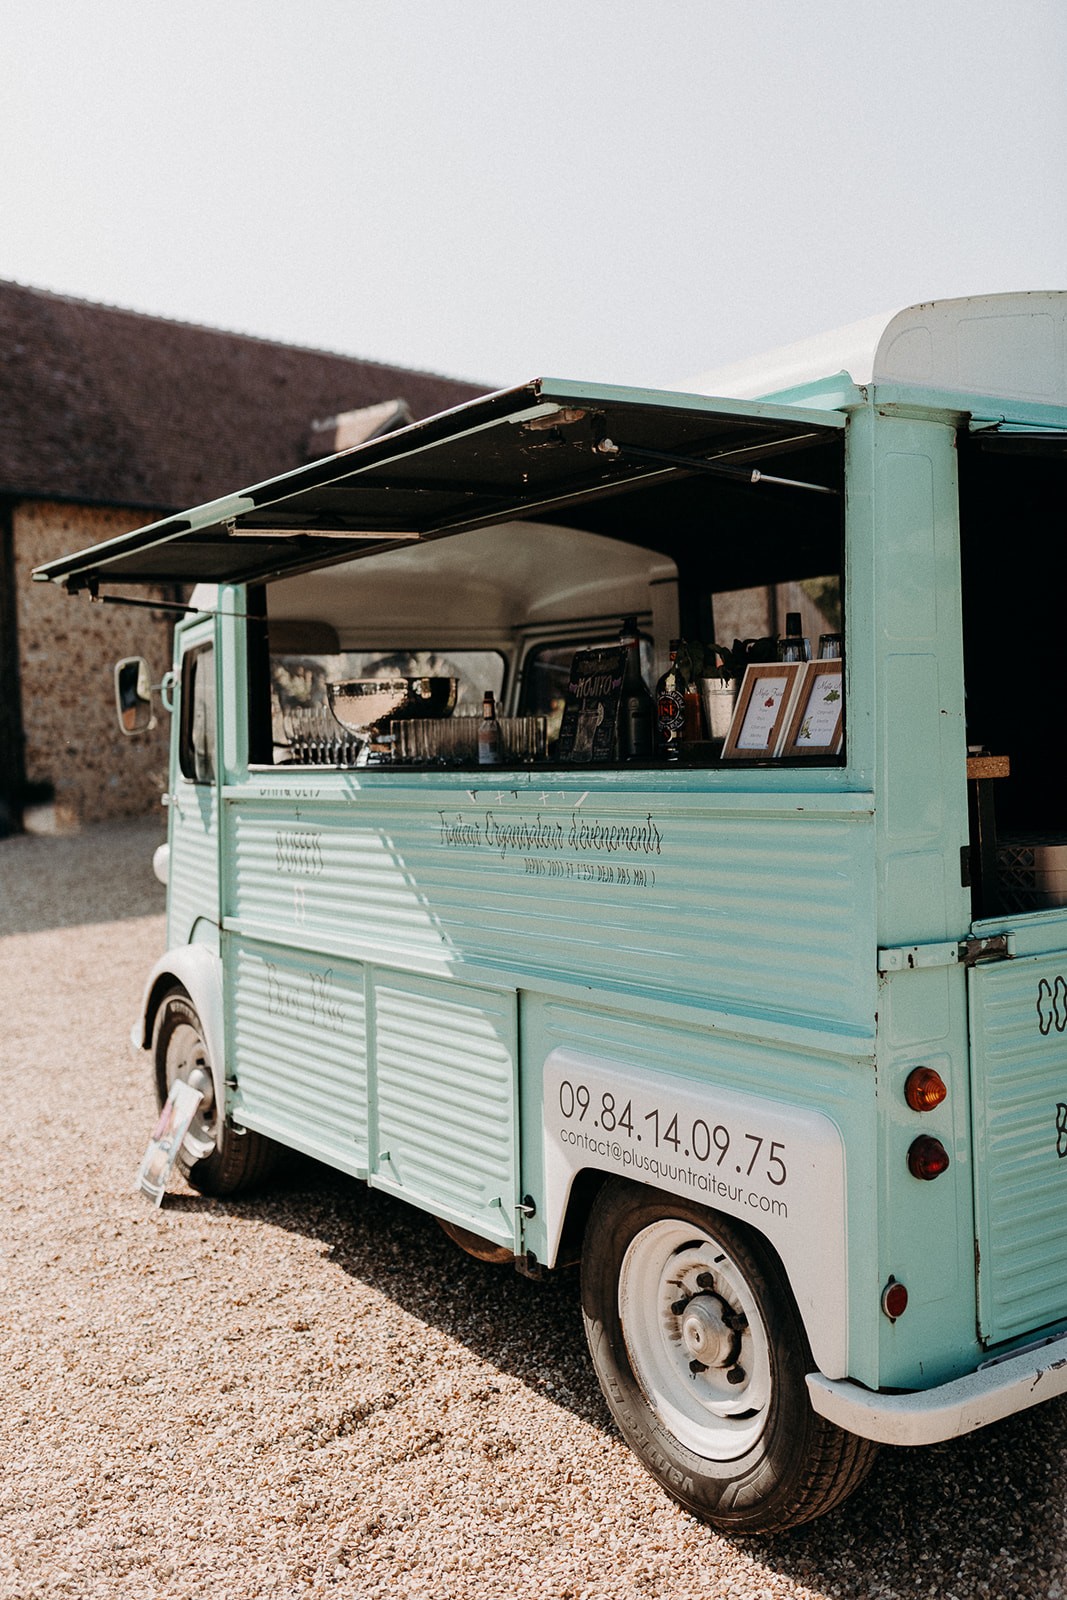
x=903 y=958
x=957 y=952
x=998 y=947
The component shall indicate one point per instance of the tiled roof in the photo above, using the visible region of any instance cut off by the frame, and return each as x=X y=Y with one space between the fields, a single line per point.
x=112 y=407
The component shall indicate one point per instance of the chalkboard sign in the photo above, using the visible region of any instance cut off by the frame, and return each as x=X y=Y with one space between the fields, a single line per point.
x=591 y=710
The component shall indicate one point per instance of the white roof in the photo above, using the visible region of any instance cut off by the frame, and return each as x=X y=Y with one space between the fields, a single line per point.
x=1011 y=345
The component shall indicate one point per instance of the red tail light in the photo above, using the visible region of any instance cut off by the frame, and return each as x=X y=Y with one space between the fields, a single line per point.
x=894 y=1299
x=927 y=1158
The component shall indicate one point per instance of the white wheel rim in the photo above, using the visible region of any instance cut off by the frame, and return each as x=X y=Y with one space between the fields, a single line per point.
x=186 y=1058
x=696 y=1339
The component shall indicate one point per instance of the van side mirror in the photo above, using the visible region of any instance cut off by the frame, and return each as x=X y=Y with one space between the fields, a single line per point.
x=133 y=695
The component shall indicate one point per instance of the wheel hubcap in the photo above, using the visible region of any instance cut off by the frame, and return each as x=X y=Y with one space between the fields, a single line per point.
x=705 y=1333
x=696 y=1338
x=187 y=1060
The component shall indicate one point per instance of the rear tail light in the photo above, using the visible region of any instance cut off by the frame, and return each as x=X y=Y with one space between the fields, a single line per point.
x=894 y=1299
x=927 y=1158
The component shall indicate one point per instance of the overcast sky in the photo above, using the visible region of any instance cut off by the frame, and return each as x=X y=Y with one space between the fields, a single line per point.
x=622 y=190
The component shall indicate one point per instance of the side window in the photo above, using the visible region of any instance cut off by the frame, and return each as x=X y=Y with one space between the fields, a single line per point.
x=196 y=741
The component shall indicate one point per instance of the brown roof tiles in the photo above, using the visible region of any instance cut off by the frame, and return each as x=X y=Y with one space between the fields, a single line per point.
x=112 y=407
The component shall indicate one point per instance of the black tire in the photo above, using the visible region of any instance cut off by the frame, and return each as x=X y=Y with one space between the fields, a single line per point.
x=734 y=1439
x=215 y=1158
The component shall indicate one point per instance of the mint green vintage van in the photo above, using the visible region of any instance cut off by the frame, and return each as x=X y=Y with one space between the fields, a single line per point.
x=770 y=1036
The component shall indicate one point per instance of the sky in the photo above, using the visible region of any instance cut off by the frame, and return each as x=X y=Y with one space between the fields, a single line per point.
x=614 y=190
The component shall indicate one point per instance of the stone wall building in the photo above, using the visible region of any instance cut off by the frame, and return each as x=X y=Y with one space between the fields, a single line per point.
x=108 y=420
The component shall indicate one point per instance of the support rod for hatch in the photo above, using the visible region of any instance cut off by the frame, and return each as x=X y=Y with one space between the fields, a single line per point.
x=608 y=447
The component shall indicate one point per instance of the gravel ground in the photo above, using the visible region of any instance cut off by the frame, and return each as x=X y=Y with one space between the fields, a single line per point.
x=312 y=1393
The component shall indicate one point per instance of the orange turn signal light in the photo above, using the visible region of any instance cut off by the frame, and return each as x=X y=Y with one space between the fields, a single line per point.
x=927 y=1158
x=924 y=1089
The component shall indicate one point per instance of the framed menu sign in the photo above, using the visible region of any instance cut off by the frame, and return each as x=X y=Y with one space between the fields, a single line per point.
x=591 y=710
x=762 y=709
x=815 y=726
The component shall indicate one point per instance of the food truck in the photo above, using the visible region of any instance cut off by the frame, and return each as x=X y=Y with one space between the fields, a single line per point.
x=761 y=1019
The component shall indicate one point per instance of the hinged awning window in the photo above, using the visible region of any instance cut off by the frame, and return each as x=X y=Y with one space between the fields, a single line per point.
x=524 y=452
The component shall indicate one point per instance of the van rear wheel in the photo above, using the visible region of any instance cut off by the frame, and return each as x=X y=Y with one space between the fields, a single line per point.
x=214 y=1158
x=702 y=1356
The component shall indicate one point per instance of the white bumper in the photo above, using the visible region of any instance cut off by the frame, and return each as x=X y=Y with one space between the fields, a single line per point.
x=929 y=1415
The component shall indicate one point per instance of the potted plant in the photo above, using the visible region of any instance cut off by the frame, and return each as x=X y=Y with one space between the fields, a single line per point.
x=718 y=669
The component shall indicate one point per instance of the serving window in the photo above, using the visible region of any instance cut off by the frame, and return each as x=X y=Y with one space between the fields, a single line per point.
x=399 y=658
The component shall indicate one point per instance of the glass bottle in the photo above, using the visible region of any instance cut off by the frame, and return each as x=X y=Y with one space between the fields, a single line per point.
x=637 y=710
x=489 y=733
x=695 y=727
x=670 y=708
x=793 y=646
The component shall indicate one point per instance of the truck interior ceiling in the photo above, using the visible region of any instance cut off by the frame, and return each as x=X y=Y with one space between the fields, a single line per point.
x=504 y=607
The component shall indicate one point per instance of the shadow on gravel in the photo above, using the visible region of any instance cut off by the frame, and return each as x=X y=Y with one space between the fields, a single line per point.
x=103 y=874
x=958 y=1520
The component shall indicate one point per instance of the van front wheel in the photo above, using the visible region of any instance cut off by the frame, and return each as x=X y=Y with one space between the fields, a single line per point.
x=214 y=1158
x=702 y=1357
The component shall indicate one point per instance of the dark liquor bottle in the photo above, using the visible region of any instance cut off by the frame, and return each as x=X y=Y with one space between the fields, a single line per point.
x=637 y=710
x=670 y=708
x=793 y=646
x=489 y=733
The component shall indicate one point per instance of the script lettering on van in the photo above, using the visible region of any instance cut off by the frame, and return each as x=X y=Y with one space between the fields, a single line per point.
x=307 y=997
x=547 y=845
x=298 y=852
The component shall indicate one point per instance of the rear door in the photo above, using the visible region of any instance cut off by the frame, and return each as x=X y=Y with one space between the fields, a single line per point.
x=1018 y=1020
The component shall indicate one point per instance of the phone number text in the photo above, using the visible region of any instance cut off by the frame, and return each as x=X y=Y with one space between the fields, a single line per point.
x=749 y=1155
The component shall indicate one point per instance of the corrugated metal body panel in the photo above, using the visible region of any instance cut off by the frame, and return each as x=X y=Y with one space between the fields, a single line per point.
x=194 y=860
x=298 y=1049
x=445 y=1092
x=1019 y=1032
x=770 y=911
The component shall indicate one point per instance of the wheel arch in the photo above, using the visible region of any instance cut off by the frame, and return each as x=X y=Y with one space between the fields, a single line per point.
x=584 y=1188
x=198 y=971
x=805 y=1228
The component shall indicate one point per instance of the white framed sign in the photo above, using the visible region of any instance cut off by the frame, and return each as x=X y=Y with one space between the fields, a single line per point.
x=815 y=725
x=762 y=710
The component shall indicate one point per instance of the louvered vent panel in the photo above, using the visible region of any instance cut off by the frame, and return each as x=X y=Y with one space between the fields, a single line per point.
x=445 y=1094
x=299 y=1051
